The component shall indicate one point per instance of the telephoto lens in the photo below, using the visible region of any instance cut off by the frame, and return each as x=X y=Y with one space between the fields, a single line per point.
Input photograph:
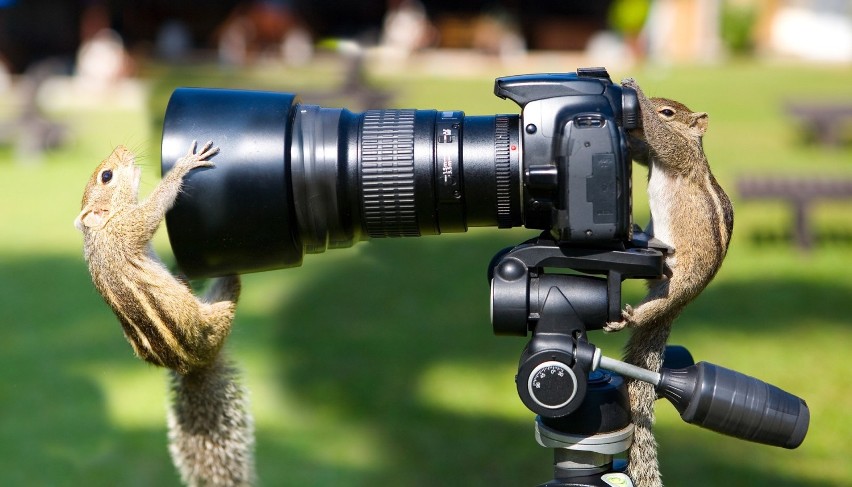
x=293 y=178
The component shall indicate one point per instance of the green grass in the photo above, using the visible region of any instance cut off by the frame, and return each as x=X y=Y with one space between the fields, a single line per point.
x=376 y=364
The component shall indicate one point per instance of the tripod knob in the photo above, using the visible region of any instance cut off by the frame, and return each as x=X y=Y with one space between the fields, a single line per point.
x=549 y=387
x=552 y=385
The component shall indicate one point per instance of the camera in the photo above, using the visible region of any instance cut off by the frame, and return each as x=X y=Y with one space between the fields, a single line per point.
x=293 y=178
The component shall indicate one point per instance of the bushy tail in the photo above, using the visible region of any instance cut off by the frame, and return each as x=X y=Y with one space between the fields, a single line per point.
x=645 y=349
x=211 y=431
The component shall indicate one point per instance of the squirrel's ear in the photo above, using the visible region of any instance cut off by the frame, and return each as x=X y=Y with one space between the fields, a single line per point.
x=699 y=121
x=90 y=218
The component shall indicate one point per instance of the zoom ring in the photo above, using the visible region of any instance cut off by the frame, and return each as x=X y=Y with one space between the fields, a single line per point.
x=387 y=173
x=503 y=173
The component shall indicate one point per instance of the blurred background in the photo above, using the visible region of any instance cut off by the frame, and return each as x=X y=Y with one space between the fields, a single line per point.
x=377 y=364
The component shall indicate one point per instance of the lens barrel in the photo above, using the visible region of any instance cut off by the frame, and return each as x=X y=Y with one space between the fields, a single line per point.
x=293 y=178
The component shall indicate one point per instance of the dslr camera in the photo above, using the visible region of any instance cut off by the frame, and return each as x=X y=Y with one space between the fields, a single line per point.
x=295 y=178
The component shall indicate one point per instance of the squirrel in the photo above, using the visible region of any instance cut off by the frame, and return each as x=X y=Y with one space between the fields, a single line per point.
x=211 y=432
x=692 y=215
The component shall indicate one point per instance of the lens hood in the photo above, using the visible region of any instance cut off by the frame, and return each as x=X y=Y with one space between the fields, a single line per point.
x=237 y=216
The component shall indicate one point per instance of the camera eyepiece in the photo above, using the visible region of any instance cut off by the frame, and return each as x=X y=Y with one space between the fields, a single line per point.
x=630 y=108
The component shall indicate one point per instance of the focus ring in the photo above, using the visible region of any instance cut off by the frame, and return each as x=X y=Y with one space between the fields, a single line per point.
x=387 y=173
x=502 y=172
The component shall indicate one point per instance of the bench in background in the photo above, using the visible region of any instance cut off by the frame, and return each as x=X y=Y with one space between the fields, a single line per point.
x=798 y=192
x=826 y=124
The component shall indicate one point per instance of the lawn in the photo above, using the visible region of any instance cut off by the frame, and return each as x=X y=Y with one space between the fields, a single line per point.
x=376 y=365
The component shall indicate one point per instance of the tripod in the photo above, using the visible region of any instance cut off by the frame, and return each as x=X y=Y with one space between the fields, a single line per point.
x=579 y=395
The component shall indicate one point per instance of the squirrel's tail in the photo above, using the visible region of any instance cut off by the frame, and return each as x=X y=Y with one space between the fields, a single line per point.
x=645 y=349
x=211 y=431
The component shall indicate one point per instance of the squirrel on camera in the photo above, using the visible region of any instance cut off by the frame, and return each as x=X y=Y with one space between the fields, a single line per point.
x=211 y=432
x=693 y=216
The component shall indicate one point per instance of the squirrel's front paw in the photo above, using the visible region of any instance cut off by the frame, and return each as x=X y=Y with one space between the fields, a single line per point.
x=614 y=326
x=207 y=151
x=200 y=159
x=627 y=320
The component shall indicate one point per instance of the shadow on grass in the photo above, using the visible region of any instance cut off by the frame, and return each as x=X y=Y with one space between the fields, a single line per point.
x=771 y=305
x=57 y=338
x=368 y=330
x=54 y=424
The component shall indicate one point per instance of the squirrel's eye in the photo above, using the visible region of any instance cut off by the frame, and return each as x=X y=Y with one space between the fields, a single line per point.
x=106 y=176
x=667 y=112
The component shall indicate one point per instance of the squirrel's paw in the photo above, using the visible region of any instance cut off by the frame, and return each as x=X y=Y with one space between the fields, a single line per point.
x=627 y=320
x=200 y=159
x=614 y=326
x=207 y=151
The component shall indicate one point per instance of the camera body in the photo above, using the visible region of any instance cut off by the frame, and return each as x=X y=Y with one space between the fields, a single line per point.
x=293 y=178
x=577 y=172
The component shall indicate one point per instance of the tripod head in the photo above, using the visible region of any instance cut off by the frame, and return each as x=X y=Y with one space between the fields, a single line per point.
x=578 y=394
